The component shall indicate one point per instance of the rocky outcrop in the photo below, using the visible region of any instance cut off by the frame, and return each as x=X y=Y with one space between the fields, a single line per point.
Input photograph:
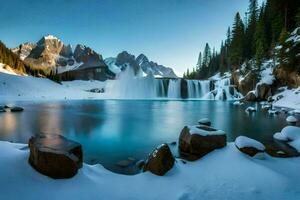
x=124 y=59
x=88 y=57
x=197 y=141
x=160 y=161
x=154 y=68
x=251 y=96
x=288 y=78
x=55 y=156
x=263 y=91
x=184 y=89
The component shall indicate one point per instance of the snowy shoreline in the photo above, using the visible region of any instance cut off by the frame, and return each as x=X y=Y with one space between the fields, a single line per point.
x=222 y=174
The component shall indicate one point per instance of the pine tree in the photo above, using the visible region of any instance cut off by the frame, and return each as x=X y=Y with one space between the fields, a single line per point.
x=236 y=46
x=298 y=18
x=199 y=62
x=250 y=29
x=206 y=55
x=260 y=40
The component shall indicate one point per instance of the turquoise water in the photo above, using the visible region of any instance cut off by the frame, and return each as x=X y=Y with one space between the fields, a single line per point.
x=113 y=130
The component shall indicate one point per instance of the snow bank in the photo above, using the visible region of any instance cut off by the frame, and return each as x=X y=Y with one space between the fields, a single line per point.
x=31 y=88
x=250 y=109
x=288 y=99
x=291 y=134
x=243 y=141
x=222 y=174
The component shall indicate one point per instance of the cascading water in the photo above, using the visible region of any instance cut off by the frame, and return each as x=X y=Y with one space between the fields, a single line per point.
x=129 y=85
x=174 y=88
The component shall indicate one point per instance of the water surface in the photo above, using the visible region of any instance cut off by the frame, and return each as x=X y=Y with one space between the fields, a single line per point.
x=113 y=130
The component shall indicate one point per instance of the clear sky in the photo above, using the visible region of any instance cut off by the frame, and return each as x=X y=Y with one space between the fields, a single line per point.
x=170 y=32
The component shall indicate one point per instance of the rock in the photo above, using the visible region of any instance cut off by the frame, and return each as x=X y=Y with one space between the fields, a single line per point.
x=16 y=109
x=250 y=109
x=140 y=164
x=270 y=99
x=173 y=143
x=279 y=97
x=273 y=112
x=197 y=141
x=184 y=89
x=204 y=121
x=232 y=89
x=2 y=109
x=6 y=106
x=55 y=156
x=263 y=91
x=250 y=96
x=291 y=120
x=160 y=161
x=249 y=146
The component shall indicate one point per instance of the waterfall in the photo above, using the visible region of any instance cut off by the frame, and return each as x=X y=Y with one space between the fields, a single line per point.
x=129 y=85
x=174 y=88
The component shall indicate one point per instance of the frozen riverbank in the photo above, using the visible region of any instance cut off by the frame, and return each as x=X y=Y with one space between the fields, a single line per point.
x=222 y=174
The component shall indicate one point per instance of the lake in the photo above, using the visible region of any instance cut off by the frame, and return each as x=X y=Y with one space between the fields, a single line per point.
x=115 y=130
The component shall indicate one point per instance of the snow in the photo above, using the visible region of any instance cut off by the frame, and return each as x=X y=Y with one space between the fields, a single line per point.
x=110 y=62
x=204 y=120
x=237 y=103
x=290 y=99
x=66 y=68
x=196 y=130
x=6 y=69
x=291 y=134
x=266 y=73
x=243 y=141
x=50 y=37
x=291 y=119
x=273 y=111
x=223 y=174
x=31 y=88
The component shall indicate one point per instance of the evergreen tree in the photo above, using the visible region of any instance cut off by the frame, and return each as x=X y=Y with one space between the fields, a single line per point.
x=250 y=29
x=206 y=55
x=236 y=46
x=199 y=62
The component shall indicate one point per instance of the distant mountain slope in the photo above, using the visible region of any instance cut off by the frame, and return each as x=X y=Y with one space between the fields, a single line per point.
x=51 y=53
x=141 y=62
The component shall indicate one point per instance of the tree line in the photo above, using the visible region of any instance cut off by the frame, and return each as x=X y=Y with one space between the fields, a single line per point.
x=252 y=38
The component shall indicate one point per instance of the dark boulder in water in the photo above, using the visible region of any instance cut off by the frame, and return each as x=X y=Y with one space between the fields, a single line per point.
x=16 y=109
x=55 y=156
x=160 y=161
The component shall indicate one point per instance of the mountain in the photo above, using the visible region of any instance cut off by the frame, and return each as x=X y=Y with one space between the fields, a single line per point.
x=51 y=53
x=141 y=62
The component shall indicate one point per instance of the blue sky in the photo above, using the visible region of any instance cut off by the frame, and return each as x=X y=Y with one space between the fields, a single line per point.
x=170 y=32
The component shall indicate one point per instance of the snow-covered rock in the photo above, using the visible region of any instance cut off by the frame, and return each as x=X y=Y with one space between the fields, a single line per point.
x=273 y=111
x=291 y=119
x=249 y=146
x=243 y=141
x=197 y=141
x=290 y=134
x=204 y=121
x=237 y=103
x=250 y=109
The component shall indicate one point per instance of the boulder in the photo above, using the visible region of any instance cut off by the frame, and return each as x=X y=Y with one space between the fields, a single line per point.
x=205 y=121
x=197 y=141
x=264 y=91
x=249 y=146
x=16 y=109
x=250 y=96
x=160 y=161
x=54 y=155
